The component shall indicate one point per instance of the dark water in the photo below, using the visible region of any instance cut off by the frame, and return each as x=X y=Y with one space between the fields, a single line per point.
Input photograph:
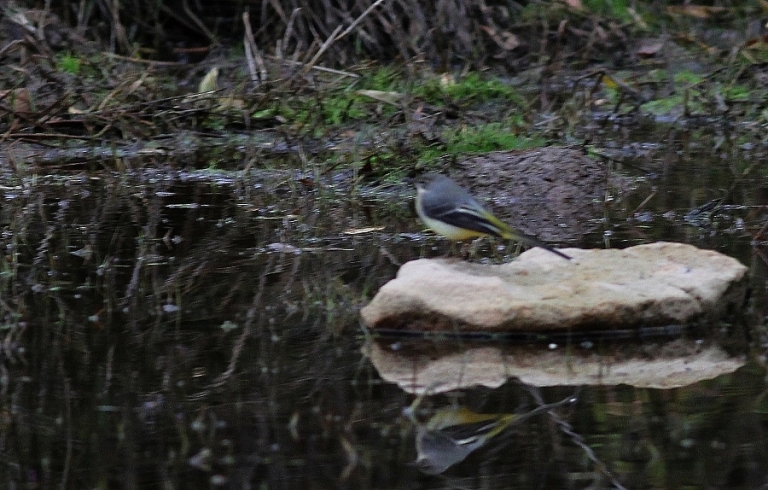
x=200 y=330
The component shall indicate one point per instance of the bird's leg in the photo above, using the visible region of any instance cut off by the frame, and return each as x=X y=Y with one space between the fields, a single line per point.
x=452 y=250
x=469 y=250
x=423 y=251
x=517 y=246
x=499 y=251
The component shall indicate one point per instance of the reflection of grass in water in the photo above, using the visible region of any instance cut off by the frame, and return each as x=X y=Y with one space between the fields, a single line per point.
x=694 y=93
x=107 y=359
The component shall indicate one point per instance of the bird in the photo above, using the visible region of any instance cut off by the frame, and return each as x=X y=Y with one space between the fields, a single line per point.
x=453 y=433
x=449 y=210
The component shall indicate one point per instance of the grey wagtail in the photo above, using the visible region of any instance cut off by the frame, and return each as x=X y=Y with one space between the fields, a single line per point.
x=449 y=210
x=453 y=433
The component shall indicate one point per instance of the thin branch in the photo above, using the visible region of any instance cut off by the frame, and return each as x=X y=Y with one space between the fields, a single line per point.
x=335 y=36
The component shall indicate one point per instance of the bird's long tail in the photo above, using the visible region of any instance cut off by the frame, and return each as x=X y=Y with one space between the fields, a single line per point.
x=532 y=241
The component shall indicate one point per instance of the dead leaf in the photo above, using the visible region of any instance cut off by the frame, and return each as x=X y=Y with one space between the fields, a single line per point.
x=447 y=80
x=574 y=4
x=697 y=11
x=208 y=83
x=649 y=47
x=505 y=40
x=17 y=99
x=757 y=43
x=392 y=98
x=601 y=33
x=230 y=103
x=636 y=17
x=283 y=248
x=609 y=82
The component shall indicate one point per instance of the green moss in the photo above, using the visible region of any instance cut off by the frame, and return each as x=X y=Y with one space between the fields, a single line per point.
x=346 y=104
x=385 y=78
x=687 y=76
x=343 y=108
x=265 y=113
x=472 y=88
x=69 y=64
x=662 y=106
x=738 y=93
x=483 y=138
x=617 y=9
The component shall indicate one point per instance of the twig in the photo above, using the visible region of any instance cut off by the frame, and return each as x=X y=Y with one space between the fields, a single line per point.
x=360 y=19
x=327 y=44
x=252 y=53
x=334 y=37
x=642 y=204
x=248 y=44
x=197 y=21
x=10 y=45
x=249 y=60
x=278 y=8
x=46 y=136
x=145 y=62
x=118 y=31
x=288 y=31
x=68 y=421
x=253 y=314
x=577 y=439
x=318 y=68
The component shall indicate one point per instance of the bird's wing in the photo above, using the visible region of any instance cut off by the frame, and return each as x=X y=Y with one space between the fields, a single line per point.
x=467 y=218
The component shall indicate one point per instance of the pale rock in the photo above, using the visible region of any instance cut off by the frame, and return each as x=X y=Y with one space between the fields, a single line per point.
x=647 y=285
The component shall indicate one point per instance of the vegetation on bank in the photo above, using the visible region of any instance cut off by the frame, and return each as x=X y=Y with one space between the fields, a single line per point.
x=350 y=86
